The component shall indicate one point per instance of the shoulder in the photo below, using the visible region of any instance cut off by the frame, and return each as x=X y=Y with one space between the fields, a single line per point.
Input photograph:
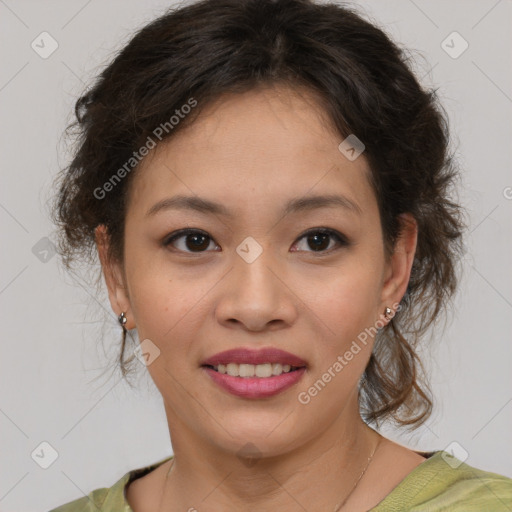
x=91 y=503
x=443 y=483
x=473 y=489
x=106 y=499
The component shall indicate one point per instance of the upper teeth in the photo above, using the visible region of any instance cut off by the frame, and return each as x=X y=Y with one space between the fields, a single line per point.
x=253 y=370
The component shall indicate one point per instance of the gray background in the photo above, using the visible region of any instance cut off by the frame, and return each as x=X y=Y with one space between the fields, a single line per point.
x=52 y=358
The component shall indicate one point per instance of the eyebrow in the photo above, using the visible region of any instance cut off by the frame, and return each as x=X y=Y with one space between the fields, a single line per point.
x=203 y=205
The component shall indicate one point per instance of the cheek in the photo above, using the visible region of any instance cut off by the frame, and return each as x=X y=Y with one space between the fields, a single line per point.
x=159 y=298
x=351 y=300
x=169 y=312
x=348 y=312
x=164 y=306
x=346 y=353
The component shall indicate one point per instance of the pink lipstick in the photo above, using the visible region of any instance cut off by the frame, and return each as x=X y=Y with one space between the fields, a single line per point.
x=250 y=373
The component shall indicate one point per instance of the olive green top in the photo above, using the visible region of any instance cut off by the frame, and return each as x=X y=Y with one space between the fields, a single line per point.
x=440 y=483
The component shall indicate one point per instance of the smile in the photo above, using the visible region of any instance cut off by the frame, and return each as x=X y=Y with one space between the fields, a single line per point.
x=251 y=370
x=255 y=387
x=254 y=373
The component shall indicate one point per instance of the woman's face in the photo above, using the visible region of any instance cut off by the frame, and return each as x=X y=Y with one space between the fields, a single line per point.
x=259 y=273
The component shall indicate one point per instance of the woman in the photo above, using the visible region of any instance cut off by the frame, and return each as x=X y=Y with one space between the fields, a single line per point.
x=266 y=185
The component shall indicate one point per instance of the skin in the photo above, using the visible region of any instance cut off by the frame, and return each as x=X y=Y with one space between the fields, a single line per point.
x=252 y=153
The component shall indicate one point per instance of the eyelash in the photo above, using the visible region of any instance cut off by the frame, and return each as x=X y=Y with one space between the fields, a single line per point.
x=341 y=239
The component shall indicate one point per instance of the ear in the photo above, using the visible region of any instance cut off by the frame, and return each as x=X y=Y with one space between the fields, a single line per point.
x=114 y=277
x=398 y=267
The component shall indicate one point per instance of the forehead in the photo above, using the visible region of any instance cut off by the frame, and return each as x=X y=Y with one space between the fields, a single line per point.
x=256 y=148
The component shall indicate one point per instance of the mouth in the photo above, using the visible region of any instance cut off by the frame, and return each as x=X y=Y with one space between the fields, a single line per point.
x=262 y=371
x=255 y=374
x=250 y=362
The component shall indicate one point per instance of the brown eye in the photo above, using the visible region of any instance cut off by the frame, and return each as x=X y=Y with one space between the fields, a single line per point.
x=194 y=241
x=319 y=240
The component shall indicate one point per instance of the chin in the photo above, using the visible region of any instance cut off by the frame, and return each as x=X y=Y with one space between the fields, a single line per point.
x=258 y=436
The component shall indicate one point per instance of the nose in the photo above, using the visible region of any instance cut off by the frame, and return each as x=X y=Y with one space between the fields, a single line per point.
x=257 y=296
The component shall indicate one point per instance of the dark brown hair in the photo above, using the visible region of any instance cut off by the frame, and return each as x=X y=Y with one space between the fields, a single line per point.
x=365 y=85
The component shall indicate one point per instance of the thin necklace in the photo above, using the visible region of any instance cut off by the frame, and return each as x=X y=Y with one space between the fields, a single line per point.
x=341 y=504
x=337 y=508
x=165 y=486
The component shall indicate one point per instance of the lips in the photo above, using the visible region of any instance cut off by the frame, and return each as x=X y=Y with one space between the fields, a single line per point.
x=255 y=387
x=255 y=357
x=244 y=372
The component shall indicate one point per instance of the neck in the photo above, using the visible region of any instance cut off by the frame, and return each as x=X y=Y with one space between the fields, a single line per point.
x=316 y=474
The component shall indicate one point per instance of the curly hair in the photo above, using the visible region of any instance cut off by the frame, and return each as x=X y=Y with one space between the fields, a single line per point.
x=364 y=83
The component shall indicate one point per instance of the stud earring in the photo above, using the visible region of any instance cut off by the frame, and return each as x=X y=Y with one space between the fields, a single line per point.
x=122 y=320
x=388 y=312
